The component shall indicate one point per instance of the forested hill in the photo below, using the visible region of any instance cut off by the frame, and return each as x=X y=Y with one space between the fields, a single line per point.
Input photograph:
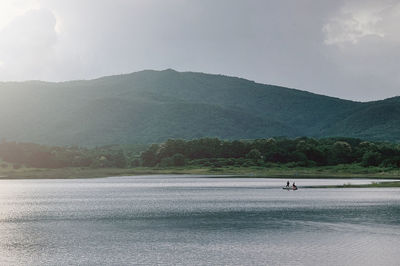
x=152 y=106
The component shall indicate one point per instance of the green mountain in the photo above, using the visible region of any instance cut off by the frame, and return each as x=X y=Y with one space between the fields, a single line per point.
x=152 y=106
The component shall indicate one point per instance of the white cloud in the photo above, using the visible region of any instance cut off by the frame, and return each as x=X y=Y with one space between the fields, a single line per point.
x=26 y=44
x=9 y=9
x=356 y=21
x=344 y=48
x=362 y=40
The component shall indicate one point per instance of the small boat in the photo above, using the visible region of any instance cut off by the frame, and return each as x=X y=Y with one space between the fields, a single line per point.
x=290 y=188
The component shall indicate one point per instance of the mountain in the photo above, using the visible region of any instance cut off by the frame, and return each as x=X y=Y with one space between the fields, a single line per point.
x=379 y=120
x=152 y=106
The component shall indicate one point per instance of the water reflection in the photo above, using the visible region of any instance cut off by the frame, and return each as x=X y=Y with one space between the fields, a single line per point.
x=196 y=220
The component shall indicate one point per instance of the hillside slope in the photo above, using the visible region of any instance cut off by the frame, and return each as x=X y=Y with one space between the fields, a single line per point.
x=151 y=106
x=379 y=120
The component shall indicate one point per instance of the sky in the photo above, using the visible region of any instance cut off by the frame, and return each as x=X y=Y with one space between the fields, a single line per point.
x=346 y=49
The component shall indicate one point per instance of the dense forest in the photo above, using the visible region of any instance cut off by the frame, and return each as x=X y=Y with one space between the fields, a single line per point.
x=41 y=156
x=303 y=151
x=207 y=152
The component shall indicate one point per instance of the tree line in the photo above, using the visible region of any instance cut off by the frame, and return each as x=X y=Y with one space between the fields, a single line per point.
x=302 y=151
x=210 y=152
x=41 y=156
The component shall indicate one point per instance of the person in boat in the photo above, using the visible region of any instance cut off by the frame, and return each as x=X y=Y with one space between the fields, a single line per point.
x=294 y=186
x=287 y=184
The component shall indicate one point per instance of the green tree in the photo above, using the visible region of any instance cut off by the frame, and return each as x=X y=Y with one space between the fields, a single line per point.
x=341 y=152
x=178 y=159
x=149 y=157
x=254 y=154
x=166 y=162
x=371 y=158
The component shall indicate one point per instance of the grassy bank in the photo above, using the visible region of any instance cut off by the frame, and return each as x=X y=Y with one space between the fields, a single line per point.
x=71 y=172
x=372 y=185
x=339 y=171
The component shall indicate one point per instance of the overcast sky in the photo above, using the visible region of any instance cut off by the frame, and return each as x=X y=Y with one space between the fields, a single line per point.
x=348 y=49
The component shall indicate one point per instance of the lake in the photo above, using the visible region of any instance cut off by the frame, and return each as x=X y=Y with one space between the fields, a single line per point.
x=195 y=220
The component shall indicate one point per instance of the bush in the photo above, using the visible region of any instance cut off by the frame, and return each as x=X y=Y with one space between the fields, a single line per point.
x=178 y=159
x=392 y=162
x=254 y=154
x=135 y=163
x=17 y=166
x=371 y=158
x=166 y=162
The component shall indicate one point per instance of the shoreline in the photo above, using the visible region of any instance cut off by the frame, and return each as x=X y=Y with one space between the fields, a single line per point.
x=234 y=172
x=304 y=173
x=385 y=184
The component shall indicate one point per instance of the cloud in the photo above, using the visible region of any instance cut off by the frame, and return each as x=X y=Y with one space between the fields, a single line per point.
x=9 y=9
x=351 y=29
x=362 y=41
x=344 y=48
x=26 y=44
x=359 y=19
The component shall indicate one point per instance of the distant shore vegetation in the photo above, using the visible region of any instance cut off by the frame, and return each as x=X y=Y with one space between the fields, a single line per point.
x=208 y=152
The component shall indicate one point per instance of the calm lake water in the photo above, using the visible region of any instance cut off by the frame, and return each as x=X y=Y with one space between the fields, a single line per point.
x=189 y=220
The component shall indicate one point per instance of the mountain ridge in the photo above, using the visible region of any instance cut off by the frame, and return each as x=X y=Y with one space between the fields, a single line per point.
x=151 y=106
